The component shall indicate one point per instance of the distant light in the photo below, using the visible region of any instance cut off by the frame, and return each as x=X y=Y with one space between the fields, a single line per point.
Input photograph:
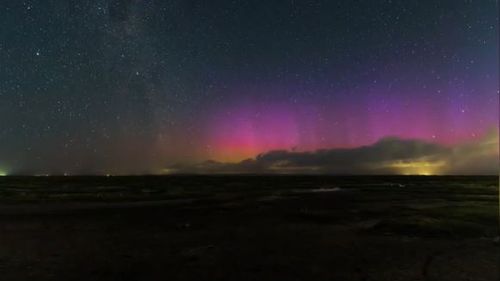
x=422 y=168
x=3 y=174
x=167 y=171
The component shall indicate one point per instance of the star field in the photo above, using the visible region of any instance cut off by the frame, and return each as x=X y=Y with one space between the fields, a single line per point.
x=132 y=87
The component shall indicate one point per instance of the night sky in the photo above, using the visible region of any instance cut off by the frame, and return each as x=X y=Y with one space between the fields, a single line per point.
x=162 y=86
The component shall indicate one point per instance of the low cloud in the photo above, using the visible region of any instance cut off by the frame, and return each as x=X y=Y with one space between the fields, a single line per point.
x=390 y=155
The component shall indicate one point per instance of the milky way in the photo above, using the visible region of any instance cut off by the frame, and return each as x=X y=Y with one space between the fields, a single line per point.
x=133 y=87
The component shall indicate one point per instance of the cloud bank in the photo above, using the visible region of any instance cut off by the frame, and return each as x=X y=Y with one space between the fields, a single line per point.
x=391 y=155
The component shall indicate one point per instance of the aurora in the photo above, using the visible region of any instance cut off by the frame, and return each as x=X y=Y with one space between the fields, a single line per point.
x=143 y=87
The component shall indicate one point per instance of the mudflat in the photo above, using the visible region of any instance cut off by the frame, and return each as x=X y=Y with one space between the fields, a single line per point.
x=249 y=228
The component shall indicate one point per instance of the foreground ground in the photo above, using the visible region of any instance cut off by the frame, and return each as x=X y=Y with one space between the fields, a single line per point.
x=249 y=228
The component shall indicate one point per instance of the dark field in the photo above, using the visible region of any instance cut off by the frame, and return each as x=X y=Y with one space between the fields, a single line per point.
x=249 y=228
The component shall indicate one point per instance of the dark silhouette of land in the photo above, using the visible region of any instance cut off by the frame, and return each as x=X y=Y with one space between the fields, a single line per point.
x=249 y=228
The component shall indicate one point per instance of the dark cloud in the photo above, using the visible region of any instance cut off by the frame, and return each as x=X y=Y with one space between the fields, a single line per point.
x=387 y=156
x=479 y=157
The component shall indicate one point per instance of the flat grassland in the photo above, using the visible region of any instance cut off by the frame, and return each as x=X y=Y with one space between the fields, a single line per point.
x=249 y=228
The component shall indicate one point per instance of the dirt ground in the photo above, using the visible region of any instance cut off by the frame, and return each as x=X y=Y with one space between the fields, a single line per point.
x=249 y=228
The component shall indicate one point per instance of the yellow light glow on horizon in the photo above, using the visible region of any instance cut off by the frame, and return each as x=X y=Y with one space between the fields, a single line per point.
x=166 y=171
x=423 y=168
x=3 y=173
